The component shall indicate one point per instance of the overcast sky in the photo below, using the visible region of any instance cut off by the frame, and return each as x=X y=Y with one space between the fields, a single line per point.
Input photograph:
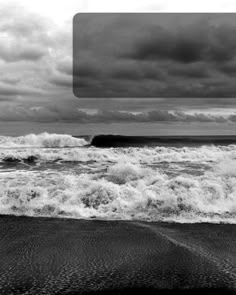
x=174 y=68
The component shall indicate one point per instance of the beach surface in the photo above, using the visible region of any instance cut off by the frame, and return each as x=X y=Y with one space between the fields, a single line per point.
x=67 y=256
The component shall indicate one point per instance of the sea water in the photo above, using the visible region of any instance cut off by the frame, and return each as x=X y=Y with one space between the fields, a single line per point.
x=58 y=175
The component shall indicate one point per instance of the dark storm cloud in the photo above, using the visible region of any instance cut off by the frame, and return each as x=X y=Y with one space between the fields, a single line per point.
x=127 y=73
x=163 y=45
x=229 y=68
x=154 y=55
x=196 y=42
x=193 y=70
x=86 y=70
x=130 y=70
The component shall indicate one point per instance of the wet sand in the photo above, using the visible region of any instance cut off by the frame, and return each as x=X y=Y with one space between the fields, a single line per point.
x=63 y=256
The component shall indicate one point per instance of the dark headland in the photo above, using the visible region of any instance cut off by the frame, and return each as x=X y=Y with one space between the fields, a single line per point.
x=65 y=256
x=126 y=141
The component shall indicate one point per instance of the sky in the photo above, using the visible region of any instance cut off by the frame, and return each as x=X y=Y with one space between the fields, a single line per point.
x=165 y=70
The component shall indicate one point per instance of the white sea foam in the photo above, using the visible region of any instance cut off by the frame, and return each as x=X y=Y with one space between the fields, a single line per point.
x=126 y=191
x=226 y=168
x=146 y=155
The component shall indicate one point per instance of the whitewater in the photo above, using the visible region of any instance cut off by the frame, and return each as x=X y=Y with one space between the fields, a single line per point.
x=56 y=175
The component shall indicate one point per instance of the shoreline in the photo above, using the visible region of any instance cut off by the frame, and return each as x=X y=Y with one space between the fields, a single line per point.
x=68 y=256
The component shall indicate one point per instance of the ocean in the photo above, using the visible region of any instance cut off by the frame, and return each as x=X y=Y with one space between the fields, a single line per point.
x=110 y=177
x=109 y=214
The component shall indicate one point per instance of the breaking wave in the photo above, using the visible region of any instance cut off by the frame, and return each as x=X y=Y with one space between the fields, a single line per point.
x=124 y=191
x=47 y=140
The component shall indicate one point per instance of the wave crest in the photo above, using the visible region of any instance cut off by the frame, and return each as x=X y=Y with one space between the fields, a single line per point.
x=47 y=140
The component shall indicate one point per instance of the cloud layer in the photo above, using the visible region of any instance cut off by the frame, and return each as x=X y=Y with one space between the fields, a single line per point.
x=70 y=114
x=155 y=55
x=186 y=63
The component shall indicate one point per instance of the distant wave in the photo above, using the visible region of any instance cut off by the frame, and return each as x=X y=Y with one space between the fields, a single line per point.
x=125 y=141
x=125 y=191
x=53 y=140
x=48 y=140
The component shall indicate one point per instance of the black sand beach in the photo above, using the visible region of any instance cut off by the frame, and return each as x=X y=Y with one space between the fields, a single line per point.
x=63 y=256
